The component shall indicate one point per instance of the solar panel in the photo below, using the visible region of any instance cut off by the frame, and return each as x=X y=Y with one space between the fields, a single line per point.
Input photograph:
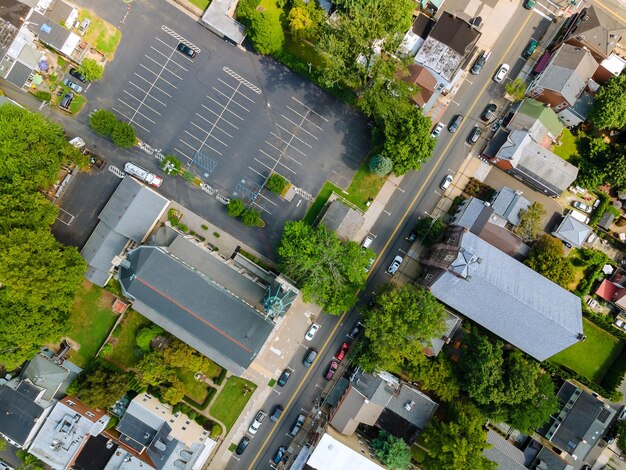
x=46 y=28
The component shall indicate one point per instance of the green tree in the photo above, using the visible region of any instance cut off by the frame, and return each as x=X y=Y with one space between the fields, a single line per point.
x=103 y=122
x=305 y=19
x=516 y=89
x=179 y=354
x=534 y=411
x=437 y=376
x=91 y=70
x=459 y=442
x=171 y=165
x=3 y=445
x=330 y=271
x=99 y=387
x=616 y=168
x=29 y=461
x=266 y=32
x=251 y=217
x=399 y=327
x=482 y=376
x=621 y=434
x=429 y=230
x=547 y=258
x=146 y=335
x=174 y=392
x=152 y=370
x=235 y=207
x=123 y=135
x=380 y=165
x=276 y=183
x=530 y=221
x=609 y=105
x=392 y=452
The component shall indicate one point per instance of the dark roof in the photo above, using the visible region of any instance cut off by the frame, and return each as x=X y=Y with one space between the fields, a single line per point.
x=60 y=11
x=606 y=220
x=397 y=426
x=455 y=33
x=47 y=30
x=548 y=460
x=599 y=30
x=12 y=14
x=94 y=455
x=19 y=411
x=504 y=453
x=194 y=308
x=422 y=25
x=19 y=74
x=135 y=433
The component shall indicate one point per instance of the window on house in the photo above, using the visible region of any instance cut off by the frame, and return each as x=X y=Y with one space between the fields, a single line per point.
x=184 y=428
x=71 y=403
x=90 y=414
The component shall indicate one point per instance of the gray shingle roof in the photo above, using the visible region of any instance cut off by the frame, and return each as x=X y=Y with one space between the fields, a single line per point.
x=572 y=231
x=194 y=308
x=48 y=31
x=510 y=299
x=19 y=411
x=507 y=202
x=599 y=30
x=45 y=374
x=11 y=12
x=342 y=220
x=502 y=452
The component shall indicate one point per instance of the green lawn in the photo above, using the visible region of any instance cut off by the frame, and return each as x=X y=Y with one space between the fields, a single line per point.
x=90 y=321
x=102 y=35
x=125 y=352
x=579 y=268
x=320 y=202
x=364 y=186
x=202 y=4
x=592 y=357
x=567 y=150
x=194 y=389
x=231 y=401
x=304 y=51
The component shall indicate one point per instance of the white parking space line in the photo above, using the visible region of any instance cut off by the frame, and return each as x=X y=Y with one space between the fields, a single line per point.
x=215 y=126
x=188 y=145
x=231 y=99
x=122 y=114
x=271 y=202
x=202 y=143
x=304 y=117
x=288 y=156
x=145 y=105
x=182 y=153
x=155 y=87
x=309 y=109
x=212 y=123
x=542 y=14
x=159 y=77
x=281 y=151
x=260 y=174
x=178 y=37
x=172 y=61
x=165 y=68
x=225 y=109
x=217 y=115
x=278 y=162
x=242 y=80
x=295 y=136
x=286 y=118
x=288 y=144
x=233 y=88
x=205 y=131
x=136 y=111
x=151 y=96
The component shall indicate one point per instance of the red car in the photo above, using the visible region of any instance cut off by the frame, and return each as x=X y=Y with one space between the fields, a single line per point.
x=345 y=347
x=332 y=367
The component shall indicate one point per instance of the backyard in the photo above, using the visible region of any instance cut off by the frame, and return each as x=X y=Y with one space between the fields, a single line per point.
x=102 y=35
x=90 y=321
x=231 y=401
x=567 y=150
x=593 y=357
x=124 y=352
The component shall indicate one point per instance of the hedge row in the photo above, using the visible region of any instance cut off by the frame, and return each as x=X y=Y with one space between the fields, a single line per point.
x=567 y=373
x=615 y=375
x=220 y=378
x=605 y=202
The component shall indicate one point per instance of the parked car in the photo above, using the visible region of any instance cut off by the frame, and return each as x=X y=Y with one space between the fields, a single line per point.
x=77 y=75
x=371 y=263
x=530 y=48
x=489 y=112
x=83 y=26
x=241 y=447
x=581 y=206
x=474 y=135
x=278 y=410
x=529 y=4
x=258 y=420
x=185 y=49
x=501 y=73
x=446 y=182
x=455 y=123
x=332 y=368
x=496 y=125
x=309 y=357
x=296 y=427
x=395 y=264
x=437 y=130
x=284 y=377
x=622 y=414
x=311 y=333
x=74 y=86
x=278 y=456
x=356 y=330
x=343 y=349
x=480 y=62
x=66 y=101
x=367 y=241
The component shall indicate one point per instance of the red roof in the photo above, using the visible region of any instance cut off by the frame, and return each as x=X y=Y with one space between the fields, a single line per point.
x=607 y=290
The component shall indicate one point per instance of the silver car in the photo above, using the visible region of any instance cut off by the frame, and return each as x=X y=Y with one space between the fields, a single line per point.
x=501 y=73
x=74 y=86
x=395 y=264
x=256 y=424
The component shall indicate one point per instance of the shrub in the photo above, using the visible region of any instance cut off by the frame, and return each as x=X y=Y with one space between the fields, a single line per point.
x=183 y=228
x=103 y=122
x=123 y=135
x=171 y=165
x=192 y=233
x=605 y=202
x=188 y=176
x=266 y=32
x=146 y=335
x=251 y=217
x=216 y=430
x=220 y=378
x=216 y=234
x=204 y=227
x=91 y=70
x=380 y=165
x=106 y=350
x=479 y=189
x=276 y=183
x=202 y=238
x=43 y=95
x=235 y=207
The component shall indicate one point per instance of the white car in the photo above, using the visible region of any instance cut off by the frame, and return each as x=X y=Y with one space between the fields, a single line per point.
x=256 y=424
x=501 y=73
x=622 y=414
x=309 y=334
x=74 y=86
x=395 y=264
x=437 y=130
x=581 y=206
x=446 y=182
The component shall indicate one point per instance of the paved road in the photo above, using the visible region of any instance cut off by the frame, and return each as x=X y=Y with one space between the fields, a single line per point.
x=418 y=194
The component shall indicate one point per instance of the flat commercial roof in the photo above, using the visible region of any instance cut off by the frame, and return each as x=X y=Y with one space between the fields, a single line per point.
x=330 y=454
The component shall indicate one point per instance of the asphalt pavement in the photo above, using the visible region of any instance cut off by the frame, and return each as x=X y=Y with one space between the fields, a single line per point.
x=416 y=196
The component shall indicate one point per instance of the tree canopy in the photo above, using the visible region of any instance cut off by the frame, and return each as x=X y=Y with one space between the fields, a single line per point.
x=103 y=122
x=530 y=221
x=38 y=275
x=392 y=452
x=91 y=70
x=547 y=258
x=305 y=19
x=609 y=105
x=399 y=327
x=99 y=387
x=266 y=32
x=329 y=271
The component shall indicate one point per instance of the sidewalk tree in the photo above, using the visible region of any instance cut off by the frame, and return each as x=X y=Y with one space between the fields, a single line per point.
x=251 y=217
x=530 y=221
x=392 y=451
x=399 y=327
x=91 y=70
x=103 y=122
x=516 y=89
x=609 y=105
x=429 y=230
x=329 y=271
x=547 y=257
x=123 y=135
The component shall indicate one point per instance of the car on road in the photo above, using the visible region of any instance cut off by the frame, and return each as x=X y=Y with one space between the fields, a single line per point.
x=474 y=135
x=501 y=73
x=74 y=86
x=185 y=49
x=258 y=420
x=332 y=368
x=312 y=330
x=437 y=130
x=343 y=349
x=241 y=447
x=530 y=48
x=446 y=182
x=455 y=123
x=411 y=236
x=278 y=410
x=77 y=75
x=395 y=264
x=296 y=427
x=529 y=4
x=356 y=330
x=309 y=357
x=581 y=206
x=489 y=112
x=480 y=62
x=284 y=377
x=278 y=456
x=66 y=101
